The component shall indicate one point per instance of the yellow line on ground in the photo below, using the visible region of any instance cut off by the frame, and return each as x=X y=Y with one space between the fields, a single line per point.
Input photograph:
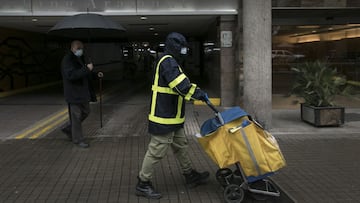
x=214 y=101
x=41 y=124
x=49 y=127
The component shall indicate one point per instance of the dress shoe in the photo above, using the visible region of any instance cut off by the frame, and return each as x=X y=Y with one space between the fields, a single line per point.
x=83 y=145
x=67 y=132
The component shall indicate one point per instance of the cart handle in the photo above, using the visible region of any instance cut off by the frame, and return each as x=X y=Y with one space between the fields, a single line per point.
x=208 y=102
x=217 y=113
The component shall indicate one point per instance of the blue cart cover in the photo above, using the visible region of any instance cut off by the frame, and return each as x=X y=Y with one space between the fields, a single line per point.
x=229 y=115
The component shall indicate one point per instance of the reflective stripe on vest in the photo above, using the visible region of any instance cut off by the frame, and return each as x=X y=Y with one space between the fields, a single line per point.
x=166 y=90
x=191 y=92
x=177 y=80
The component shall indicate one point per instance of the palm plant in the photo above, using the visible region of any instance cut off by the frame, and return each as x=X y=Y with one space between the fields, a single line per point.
x=317 y=83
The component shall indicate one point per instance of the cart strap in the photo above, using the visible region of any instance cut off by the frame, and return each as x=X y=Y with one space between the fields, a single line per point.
x=251 y=152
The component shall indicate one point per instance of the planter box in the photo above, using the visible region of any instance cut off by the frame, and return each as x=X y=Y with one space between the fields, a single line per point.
x=323 y=116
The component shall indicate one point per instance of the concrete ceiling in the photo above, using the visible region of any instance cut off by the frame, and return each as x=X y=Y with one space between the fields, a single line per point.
x=192 y=18
x=315 y=16
x=298 y=21
x=157 y=26
x=136 y=28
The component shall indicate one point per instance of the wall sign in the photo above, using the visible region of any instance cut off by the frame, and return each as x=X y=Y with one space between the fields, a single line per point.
x=226 y=38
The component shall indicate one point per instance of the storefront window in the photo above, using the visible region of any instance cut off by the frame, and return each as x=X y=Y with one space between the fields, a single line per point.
x=338 y=45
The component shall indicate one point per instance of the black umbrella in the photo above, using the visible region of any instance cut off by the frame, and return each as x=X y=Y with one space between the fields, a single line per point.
x=87 y=26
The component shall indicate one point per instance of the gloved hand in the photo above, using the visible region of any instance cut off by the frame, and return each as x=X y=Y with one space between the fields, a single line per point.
x=201 y=95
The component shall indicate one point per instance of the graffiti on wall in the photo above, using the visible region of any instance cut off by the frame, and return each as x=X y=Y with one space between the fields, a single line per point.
x=19 y=61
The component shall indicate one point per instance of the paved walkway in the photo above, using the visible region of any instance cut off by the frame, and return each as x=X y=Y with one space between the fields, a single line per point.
x=323 y=163
x=52 y=169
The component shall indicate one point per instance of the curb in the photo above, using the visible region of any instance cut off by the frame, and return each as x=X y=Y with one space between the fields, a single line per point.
x=27 y=89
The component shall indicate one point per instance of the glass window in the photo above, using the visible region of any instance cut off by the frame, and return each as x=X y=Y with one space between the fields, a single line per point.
x=339 y=45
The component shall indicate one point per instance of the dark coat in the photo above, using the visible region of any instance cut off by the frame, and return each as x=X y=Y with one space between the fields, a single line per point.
x=166 y=105
x=77 y=80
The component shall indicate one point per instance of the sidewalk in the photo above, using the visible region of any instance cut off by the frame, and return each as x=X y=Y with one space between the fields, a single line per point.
x=323 y=163
x=52 y=169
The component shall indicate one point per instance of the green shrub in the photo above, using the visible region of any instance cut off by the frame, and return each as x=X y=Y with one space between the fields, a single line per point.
x=317 y=83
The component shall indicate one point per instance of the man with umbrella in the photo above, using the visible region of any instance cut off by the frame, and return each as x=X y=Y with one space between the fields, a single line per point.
x=88 y=26
x=78 y=91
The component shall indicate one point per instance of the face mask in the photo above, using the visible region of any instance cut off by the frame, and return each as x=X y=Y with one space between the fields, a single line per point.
x=78 y=52
x=183 y=51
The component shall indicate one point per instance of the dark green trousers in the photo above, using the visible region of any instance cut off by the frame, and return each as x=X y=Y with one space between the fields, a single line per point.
x=158 y=148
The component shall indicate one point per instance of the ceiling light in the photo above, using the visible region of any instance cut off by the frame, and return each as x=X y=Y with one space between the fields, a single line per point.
x=34 y=19
x=308 y=26
x=209 y=44
x=143 y=17
x=156 y=33
x=151 y=28
x=190 y=12
x=14 y=11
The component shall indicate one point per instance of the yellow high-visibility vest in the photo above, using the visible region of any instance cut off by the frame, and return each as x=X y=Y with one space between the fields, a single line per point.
x=159 y=91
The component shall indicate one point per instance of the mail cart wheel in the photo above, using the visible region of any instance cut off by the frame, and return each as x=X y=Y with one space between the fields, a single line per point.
x=237 y=177
x=233 y=194
x=224 y=176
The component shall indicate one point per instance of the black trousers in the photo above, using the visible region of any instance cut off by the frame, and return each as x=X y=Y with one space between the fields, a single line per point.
x=77 y=114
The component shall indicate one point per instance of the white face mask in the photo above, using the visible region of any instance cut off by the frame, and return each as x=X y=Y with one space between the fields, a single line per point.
x=79 y=52
x=183 y=50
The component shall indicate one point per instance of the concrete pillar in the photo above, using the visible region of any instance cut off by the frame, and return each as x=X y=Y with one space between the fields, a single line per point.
x=257 y=59
x=227 y=61
x=239 y=63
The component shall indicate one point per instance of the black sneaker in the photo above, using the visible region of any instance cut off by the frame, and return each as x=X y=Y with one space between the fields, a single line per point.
x=145 y=189
x=195 y=178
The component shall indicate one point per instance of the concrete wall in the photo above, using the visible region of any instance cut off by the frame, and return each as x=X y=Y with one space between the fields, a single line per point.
x=228 y=79
x=27 y=59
